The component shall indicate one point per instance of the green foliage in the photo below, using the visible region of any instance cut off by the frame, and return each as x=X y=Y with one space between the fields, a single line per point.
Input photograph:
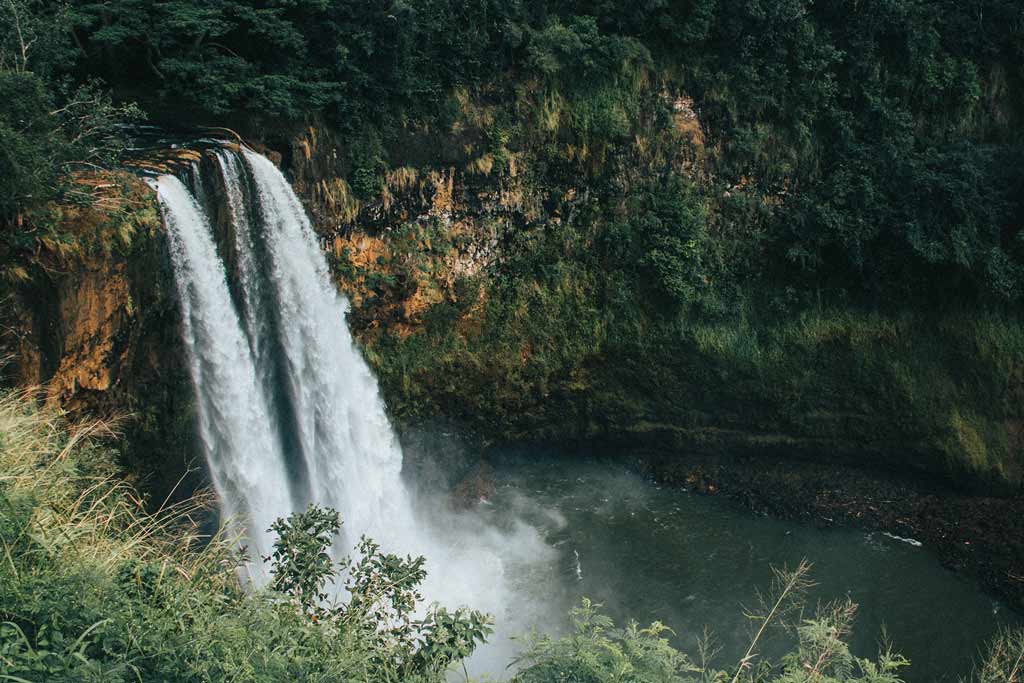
x=663 y=240
x=599 y=73
x=56 y=135
x=27 y=148
x=823 y=656
x=597 y=652
x=92 y=588
x=383 y=596
x=366 y=156
x=558 y=351
x=876 y=146
x=872 y=127
x=1004 y=659
x=50 y=125
x=301 y=564
x=880 y=139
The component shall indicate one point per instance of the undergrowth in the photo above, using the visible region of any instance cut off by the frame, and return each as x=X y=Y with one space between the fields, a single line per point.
x=94 y=588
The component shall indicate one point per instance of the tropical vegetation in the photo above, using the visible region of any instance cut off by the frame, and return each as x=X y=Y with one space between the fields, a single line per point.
x=95 y=588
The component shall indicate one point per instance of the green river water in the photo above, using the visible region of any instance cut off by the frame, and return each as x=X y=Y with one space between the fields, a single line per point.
x=693 y=561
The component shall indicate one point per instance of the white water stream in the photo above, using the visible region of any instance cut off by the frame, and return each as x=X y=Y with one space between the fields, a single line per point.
x=289 y=411
x=243 y=454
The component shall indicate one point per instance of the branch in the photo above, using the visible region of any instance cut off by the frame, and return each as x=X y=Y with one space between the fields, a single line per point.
x=21 y=37
x=789 y=582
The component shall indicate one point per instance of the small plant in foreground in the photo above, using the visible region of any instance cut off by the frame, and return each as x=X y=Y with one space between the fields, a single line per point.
x=301 y=562
x=1004 y=660
x=383 y=597
x=598 y=652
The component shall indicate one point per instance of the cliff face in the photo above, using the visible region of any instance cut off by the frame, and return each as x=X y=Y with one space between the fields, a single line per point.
x=87 y=322
x=97 y=325
x=475 y=301
x=477 y=296
x=403 y=250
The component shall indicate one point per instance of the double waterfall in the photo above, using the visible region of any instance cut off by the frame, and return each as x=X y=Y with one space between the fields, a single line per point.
x=288 y=411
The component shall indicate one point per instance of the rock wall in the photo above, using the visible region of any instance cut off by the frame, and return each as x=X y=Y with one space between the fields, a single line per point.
x=423 y=255
x=98 y=328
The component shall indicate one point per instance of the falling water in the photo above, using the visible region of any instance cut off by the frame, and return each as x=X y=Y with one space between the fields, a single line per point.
x=350 y=452
x=290 y=412
x=243 y=455
x=256 y=323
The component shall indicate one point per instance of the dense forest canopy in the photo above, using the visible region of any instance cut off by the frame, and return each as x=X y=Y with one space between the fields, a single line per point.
x=877 y=144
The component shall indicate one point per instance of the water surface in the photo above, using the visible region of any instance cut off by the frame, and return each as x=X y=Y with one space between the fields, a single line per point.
x=692 y=561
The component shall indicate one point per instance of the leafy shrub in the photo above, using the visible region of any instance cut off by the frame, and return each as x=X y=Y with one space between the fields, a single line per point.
x=383 y=596
x=663 y=243
x=301 y=562
x=597 y=652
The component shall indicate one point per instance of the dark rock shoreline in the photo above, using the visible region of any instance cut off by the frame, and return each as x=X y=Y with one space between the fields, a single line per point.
x=978 y=534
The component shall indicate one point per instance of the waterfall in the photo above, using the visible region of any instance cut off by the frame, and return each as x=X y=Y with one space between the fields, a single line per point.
x=350 y=452
x=289 y=412
x=234 y=426
x=347 y=456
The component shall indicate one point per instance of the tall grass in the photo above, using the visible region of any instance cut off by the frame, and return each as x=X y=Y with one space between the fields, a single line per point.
x=81 y=507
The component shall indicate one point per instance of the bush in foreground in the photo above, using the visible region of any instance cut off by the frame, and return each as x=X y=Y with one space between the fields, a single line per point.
x=92 y=588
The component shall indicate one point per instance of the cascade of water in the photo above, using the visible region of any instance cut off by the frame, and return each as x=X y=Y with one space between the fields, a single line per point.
x=248 y=269
x=290 y=354
x=349 y=449
x=242 y=452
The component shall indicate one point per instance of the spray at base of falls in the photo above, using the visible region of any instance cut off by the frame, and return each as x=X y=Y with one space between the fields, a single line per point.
x=289 y=412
